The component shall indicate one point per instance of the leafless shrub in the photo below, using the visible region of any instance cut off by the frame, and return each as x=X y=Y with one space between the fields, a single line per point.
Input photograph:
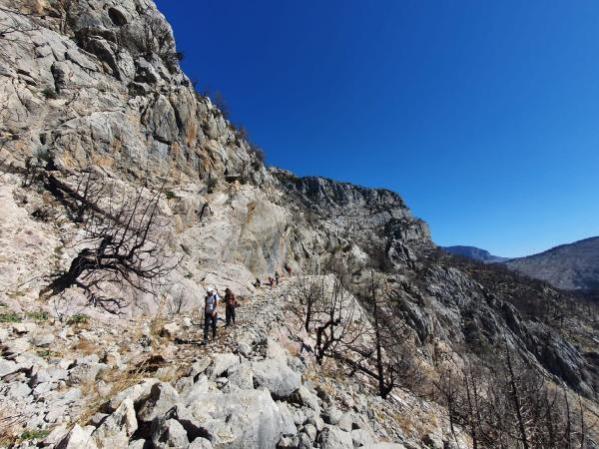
x=512 y=407
x=385 y=351
x=122 y=245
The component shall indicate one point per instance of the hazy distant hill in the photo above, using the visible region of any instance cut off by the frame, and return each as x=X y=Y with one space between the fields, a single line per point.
x=471 y=252
x=573 y=266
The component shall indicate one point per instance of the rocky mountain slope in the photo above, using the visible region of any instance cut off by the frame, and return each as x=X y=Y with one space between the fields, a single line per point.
x=574 y=266
x=474 y=253
x=125 y=194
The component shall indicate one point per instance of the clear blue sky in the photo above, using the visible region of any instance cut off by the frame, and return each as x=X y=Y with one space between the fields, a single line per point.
x=483 y=115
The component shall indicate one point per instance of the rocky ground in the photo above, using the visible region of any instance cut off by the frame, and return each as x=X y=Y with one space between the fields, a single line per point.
x=154 y=384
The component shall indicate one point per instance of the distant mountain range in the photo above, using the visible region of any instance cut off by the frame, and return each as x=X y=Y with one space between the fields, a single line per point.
x=474 y=253
x=574 y=266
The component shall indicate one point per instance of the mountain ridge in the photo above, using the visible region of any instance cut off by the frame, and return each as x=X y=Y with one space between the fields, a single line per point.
x=474 y=253
x=570 y=266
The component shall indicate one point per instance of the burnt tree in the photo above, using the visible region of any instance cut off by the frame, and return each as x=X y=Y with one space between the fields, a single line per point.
x=122 y=247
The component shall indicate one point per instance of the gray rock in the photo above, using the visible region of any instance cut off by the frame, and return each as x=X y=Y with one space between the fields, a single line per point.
x=78 y=438
x=201 y=443
x=221 y=363
x=136 y=393
x=18 y=391
x=24 y=328
x=361 y=437
x=97 y=419
x=57 y=434
x=433 y=441
x=8 y=367
x=86 y=370
x=334 y=438
x=289 y=443
x=346 y=422
x=193 y=427
x=169 y=434
x=117 y=428
x=304 y=397
x=276 y=377
x=310 y=431
x=247 y=419
x=196 y=391
x=137 y=444
x=332 y=416
x=43 y=340
x=161 y=398
x=242 y=377
x=317 y=422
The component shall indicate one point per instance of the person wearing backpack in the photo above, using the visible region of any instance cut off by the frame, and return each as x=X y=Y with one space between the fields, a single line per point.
x=210 y=313
x=230 y=306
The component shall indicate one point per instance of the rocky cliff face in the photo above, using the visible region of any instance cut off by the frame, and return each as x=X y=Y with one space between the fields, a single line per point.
x=99 y=83
x=95 y=87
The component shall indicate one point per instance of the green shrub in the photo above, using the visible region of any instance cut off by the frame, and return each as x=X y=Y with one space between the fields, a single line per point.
x=10 y=317
x=39 y=315
x=48 y=92
x=78 y=318
x=34 y=434
x=46 y=353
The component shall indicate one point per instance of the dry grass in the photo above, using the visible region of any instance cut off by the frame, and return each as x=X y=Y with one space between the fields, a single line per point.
x=86 y=347
x=11 y=424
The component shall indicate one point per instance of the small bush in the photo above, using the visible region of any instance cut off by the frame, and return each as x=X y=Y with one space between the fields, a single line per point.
x=211 y=184
x=49 y=93
x=258 y=153
x=78 y=318
x=47 y=353
x=170 y=195
x=10 y=317
x=34 y=434
x=39 y=315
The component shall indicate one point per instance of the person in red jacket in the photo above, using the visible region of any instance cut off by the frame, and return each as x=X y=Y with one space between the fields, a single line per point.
x=230 y=306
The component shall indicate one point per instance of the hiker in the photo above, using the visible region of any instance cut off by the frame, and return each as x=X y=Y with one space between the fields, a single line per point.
x=257 y=283
x=210 y=312
x=231 y=305
x=276 y=278
x=287 y=269
x=271 y=281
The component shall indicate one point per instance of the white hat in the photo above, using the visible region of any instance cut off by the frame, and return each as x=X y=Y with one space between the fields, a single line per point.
x=210 y=289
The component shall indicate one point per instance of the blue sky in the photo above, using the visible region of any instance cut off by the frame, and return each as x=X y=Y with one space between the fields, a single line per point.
x=483 y=115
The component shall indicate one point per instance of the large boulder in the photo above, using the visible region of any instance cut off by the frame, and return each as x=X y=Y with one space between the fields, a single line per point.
x=247 y=419
x=117 y=428
x=221 y=363
x=161 y=399
x=169 y=433
x=335 y=438
x=78 y=438
x=276 y=377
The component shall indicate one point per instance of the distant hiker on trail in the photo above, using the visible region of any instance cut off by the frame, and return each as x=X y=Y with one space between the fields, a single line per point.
x=271 y=281
x=257 y=283
x=276 y=278
x=210 y=313
x=231 y=305
x=287 y=269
